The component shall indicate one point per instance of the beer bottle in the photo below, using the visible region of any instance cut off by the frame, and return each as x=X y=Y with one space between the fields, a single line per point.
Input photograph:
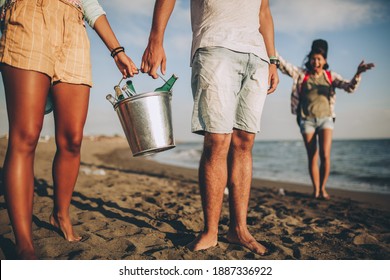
x=168 y=84
x=111 y=98
x=118 y=93
x=130 y=87
x=127 y=91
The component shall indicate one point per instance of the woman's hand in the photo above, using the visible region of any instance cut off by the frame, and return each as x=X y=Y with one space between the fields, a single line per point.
x=125 y=65
x=363 y=67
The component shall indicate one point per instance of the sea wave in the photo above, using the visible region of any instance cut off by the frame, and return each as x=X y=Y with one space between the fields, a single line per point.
x=359 y=165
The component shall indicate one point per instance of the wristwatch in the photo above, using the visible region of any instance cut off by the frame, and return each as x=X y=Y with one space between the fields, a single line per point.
x=274 y=60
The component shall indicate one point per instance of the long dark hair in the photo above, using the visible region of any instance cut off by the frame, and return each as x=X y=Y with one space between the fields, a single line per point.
x=314 y=51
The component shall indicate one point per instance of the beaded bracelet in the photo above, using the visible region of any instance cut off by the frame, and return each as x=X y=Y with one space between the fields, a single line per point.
x=117 y=50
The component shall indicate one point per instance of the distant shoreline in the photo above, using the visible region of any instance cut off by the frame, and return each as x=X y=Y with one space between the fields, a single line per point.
x=114 y=136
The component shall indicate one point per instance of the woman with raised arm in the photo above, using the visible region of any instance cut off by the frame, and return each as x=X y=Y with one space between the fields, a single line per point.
x=312 y=100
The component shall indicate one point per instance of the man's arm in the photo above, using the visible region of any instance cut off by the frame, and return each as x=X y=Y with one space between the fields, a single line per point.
x=154 y=55
x=267 y=30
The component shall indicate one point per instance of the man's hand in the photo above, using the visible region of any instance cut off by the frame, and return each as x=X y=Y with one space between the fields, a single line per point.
x=273 y=78
x=154 y=57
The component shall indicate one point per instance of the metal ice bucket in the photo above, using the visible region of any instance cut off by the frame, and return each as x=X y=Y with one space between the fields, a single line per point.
x=146 y=119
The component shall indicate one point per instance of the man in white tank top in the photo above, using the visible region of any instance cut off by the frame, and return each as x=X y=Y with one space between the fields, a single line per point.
x=233 y=69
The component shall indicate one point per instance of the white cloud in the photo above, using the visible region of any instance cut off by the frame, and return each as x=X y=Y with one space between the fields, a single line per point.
x=309 y=16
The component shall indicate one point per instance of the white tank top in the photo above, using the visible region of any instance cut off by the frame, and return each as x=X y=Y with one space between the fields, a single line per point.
x=233 y=24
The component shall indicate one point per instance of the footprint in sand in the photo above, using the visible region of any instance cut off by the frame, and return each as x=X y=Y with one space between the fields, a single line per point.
x=364 y=238
x=180 y=194
x=296 y=252
x=323 y=222
x=252 y=221
x=151 y=200
x=170 y=204
x=287 y=240
x=307 y=237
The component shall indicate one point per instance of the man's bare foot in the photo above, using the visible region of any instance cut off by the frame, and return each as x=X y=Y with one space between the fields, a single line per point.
x=248 y=241
x=64 y=225
x=26 y=254
x=203 y=241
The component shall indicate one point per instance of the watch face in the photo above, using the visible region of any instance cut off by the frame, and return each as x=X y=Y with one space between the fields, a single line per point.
x=275 y=61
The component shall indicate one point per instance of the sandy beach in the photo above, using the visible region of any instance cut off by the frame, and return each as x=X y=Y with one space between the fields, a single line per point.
x=134 y=208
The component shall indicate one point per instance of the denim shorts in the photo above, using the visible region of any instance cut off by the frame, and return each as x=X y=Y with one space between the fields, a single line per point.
x=229 y=90
x=311 y=125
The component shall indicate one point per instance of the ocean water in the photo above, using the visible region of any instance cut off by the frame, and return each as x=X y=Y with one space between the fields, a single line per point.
x=358 y=165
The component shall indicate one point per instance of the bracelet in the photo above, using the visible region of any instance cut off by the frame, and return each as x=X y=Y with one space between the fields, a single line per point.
x=273 y=57
x=117 y=50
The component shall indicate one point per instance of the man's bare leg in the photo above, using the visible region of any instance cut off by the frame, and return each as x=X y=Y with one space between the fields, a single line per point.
x=240 y=179
x=212 y=182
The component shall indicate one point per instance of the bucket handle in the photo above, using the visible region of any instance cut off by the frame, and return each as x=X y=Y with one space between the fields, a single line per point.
x=139 y=71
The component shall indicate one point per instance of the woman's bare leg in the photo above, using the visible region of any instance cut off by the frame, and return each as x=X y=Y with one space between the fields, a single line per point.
x=325 y=141
x=310 y=140
x=25 y=93
x=70 y=113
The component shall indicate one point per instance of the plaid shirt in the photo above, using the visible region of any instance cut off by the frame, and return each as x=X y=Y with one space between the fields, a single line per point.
x=298 y=74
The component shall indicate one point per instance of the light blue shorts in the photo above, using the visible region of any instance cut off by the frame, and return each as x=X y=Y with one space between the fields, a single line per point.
x=229 y=90
x=311 y=125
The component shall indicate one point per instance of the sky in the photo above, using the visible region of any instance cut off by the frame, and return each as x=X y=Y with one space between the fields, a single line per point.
x=355 y=30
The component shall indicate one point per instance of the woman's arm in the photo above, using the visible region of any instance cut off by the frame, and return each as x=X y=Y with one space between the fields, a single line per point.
x=352 y=85
x=288 y=68
x=96 y=18
x=92 y=11
x=125 y=65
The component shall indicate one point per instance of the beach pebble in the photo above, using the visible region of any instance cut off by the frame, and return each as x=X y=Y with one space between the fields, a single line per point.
x=89 y=171
x=86 y=170
x=364 y=238
x=100 y=172
x=281 y=192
